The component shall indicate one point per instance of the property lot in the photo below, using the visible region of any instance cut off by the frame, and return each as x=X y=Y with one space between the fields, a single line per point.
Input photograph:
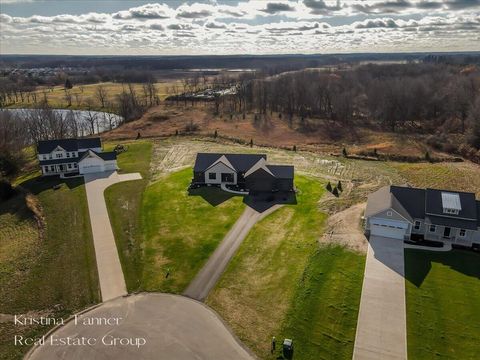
x=283 y=283
x=47 y=260
x=442 y=293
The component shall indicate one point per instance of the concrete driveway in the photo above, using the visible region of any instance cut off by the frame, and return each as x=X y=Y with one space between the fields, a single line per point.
x=381 y=327
x=150 y=326
x=110 y=275
x=208 y=276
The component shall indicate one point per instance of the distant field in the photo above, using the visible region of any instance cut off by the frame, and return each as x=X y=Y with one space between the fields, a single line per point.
x=46 y=268
x=442 y=294
x=282 y=283
x=83 y=95
x=449 y=176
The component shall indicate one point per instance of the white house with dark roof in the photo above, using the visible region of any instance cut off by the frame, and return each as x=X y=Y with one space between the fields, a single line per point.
x=249 y=172
x=71 y=156
x=442 y=215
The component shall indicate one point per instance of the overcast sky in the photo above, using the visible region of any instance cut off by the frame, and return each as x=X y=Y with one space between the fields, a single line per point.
x=130 y=27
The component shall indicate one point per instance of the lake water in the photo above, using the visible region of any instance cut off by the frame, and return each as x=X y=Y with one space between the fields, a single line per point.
x=101 y=121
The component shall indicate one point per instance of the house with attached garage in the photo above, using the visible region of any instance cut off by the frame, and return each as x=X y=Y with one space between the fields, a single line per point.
x=246 y=172
x=410 y=213
x=74 y=156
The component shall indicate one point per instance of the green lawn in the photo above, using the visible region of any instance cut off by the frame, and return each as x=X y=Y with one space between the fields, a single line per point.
x=443 y=299
x=182 y=231
x=123 y=203
x=49 y=268
x=282 y=283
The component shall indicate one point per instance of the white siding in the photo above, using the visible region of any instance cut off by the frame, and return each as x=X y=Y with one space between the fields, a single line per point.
x=218 y=169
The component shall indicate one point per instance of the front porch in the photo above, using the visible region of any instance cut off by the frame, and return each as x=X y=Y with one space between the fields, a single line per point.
x=58 y=169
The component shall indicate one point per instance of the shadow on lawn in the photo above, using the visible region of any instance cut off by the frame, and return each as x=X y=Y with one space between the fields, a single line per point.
x=418 y=263
x=213 y=195
x=39 y=184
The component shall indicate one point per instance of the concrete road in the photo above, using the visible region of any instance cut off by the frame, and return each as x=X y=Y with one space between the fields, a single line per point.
x=150 y=326
x=215 y=266
x=381 y=328
x=112 y=282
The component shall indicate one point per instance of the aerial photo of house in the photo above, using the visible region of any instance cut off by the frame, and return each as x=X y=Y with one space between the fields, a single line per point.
x=404 y=212
x=74 y=156
x=240 y=180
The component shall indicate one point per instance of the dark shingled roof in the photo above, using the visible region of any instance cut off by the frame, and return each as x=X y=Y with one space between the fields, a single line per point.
x=282 y=171
x=241 y=162
x=427 y=204
x=111 y=155
x=433 y=204
x=47 y=146
x=412 y=199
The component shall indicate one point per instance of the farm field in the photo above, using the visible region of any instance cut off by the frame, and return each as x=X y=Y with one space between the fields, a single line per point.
x=43 y=271
x=283 y=283
x=83 y=96
x=442 y=292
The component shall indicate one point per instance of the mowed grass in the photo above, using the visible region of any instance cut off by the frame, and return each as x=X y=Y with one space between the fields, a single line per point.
x=47 y=270
x=442 y=294
x=84 y=96
x=124 y=203
x=182 y=231
x=282 y=283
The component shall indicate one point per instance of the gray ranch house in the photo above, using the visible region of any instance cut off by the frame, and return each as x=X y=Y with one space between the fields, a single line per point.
x=247 y=172
x=403 y=213
x=74 y=156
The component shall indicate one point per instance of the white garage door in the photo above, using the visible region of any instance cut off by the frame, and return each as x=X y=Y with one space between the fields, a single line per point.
x=91 y=169
x=388 y=228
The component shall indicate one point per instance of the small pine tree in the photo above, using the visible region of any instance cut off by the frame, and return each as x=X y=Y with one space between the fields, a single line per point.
x=335 y=192
x=427 y=157
x=215 y=134
x=295 y=148
x=176 y=132
x=375 y=152
x=68 y=84
x=251 y=142
x=339 y=186
x=344 y=152
x=329 y=187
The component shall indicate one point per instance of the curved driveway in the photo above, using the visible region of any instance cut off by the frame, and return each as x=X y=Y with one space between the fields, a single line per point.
x=110 y=275
x=174 y=328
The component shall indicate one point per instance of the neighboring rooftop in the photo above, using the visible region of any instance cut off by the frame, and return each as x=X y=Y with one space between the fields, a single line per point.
x=427 y=203
x=241 y=162
x=47 y=146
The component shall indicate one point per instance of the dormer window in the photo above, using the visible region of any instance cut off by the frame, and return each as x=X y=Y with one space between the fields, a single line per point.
x=451 y=203
x=59 y=156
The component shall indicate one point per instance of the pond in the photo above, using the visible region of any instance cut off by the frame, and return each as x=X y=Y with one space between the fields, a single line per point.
x=85 y=122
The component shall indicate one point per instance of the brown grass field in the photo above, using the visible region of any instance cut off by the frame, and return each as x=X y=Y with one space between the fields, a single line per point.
x=165 y=120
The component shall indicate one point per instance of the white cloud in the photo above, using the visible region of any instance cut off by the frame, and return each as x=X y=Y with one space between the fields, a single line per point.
x=208 y=28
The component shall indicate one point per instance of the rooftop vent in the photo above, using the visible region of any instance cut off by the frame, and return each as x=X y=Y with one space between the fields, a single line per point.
x=451 y=203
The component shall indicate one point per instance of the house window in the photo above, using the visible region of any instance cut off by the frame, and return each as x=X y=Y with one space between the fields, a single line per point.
x=433 y=228
x=69 y=166
x=45 y=169
x=44 y=157
x=58 y=156
x=52 y=168
x=50 y=156
x=417 y=225
x=75 y=165
x=450 y=211
x=68 y=154
x=389 y=213
x=212 y=176
x=462 y=233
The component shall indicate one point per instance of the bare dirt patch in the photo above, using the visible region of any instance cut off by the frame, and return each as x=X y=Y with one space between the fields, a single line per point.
x=344 y=228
